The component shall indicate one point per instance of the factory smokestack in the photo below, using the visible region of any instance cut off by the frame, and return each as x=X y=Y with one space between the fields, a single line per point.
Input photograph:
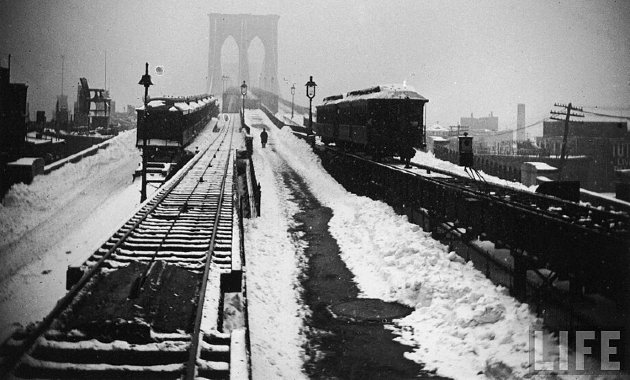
x=520 y=122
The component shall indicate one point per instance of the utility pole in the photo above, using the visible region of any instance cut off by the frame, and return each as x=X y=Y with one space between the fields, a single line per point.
x=567 y=118
x=146 y=82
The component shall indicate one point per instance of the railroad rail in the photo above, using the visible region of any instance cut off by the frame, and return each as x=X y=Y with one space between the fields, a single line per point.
x=588 y=246
x=147 y=303
x=603 y=219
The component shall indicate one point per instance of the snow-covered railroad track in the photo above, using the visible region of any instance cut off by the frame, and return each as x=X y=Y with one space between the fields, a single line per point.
x=598 y=220
x=567 y=239
x=147 y=302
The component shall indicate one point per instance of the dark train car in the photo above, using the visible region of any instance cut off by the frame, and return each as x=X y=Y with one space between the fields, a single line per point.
x=174 y=122
x=384 y=120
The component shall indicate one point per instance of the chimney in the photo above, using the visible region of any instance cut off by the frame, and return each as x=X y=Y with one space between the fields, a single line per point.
x=520 y=122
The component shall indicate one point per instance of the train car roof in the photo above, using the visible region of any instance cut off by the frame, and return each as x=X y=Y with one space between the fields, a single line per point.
x=386 y=91
x=183 y=104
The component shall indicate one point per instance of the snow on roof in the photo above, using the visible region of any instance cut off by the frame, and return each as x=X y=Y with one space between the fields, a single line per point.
x=385 y=91
x=152 y=104
x=392 y=92
x=25 y=161
x=182 y=106
x=437 y=127
x=156 y=103
x=541 y=165
x=437 y=138
x=36 y=141
x=182 y=103
x=397 y=87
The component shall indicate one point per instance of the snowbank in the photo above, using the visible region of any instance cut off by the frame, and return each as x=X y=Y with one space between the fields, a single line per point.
x=427 y=158
x=273 y=259
x=463 y=324
x=59 y=220
x=26 y=206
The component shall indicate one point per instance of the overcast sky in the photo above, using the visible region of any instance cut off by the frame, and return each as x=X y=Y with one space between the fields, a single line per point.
x=464 y=56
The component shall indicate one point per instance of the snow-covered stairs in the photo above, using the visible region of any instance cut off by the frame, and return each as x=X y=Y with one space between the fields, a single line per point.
x=214 y=358
x=59 y=355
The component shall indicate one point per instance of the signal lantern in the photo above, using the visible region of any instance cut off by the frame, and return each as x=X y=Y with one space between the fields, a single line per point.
x=465 y=151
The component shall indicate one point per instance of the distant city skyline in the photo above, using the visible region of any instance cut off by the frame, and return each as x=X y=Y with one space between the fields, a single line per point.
x=465 y=57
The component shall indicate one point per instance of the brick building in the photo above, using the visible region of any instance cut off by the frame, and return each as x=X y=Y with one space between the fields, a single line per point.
x=607 y=143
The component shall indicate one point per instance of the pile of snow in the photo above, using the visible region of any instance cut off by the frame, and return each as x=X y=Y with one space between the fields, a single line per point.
x=274 y=258
x=25 y=206
x=463 y=324
x=285 y=111
x=429 y=159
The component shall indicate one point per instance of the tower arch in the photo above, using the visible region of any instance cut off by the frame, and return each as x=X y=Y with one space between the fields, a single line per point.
x=256 y=55
x=229 y=58
x=244 y=28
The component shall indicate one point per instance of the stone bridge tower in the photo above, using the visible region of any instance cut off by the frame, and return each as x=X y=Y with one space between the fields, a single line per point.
x=243 y=28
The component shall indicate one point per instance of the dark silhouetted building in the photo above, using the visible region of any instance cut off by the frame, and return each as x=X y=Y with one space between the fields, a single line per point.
x=92 y=108
x=62 y=115
x=607 y=143
x=12 y=114
x=40 y=119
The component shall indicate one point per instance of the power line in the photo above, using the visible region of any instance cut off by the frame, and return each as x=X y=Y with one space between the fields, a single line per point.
x=607 y=115
x=521 y=128
x=610 y=108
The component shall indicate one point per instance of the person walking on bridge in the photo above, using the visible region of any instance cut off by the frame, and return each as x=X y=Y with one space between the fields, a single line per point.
x=263 y=137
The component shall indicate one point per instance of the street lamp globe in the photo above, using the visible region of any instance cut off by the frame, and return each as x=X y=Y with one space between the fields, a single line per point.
x=244 y=89
x=293 y=89
x=310 y=88
x=310 y=93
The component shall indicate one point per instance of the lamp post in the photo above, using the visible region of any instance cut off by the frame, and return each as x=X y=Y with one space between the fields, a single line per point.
x=310 y=93
x=146 y=82
x=244 y=93
x=292 y=98
x=224 y=79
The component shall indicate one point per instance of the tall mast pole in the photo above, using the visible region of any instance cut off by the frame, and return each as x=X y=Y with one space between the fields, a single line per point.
x=62 y=62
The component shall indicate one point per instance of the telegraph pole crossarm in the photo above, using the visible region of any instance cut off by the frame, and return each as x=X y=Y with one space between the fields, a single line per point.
x=567 y=118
